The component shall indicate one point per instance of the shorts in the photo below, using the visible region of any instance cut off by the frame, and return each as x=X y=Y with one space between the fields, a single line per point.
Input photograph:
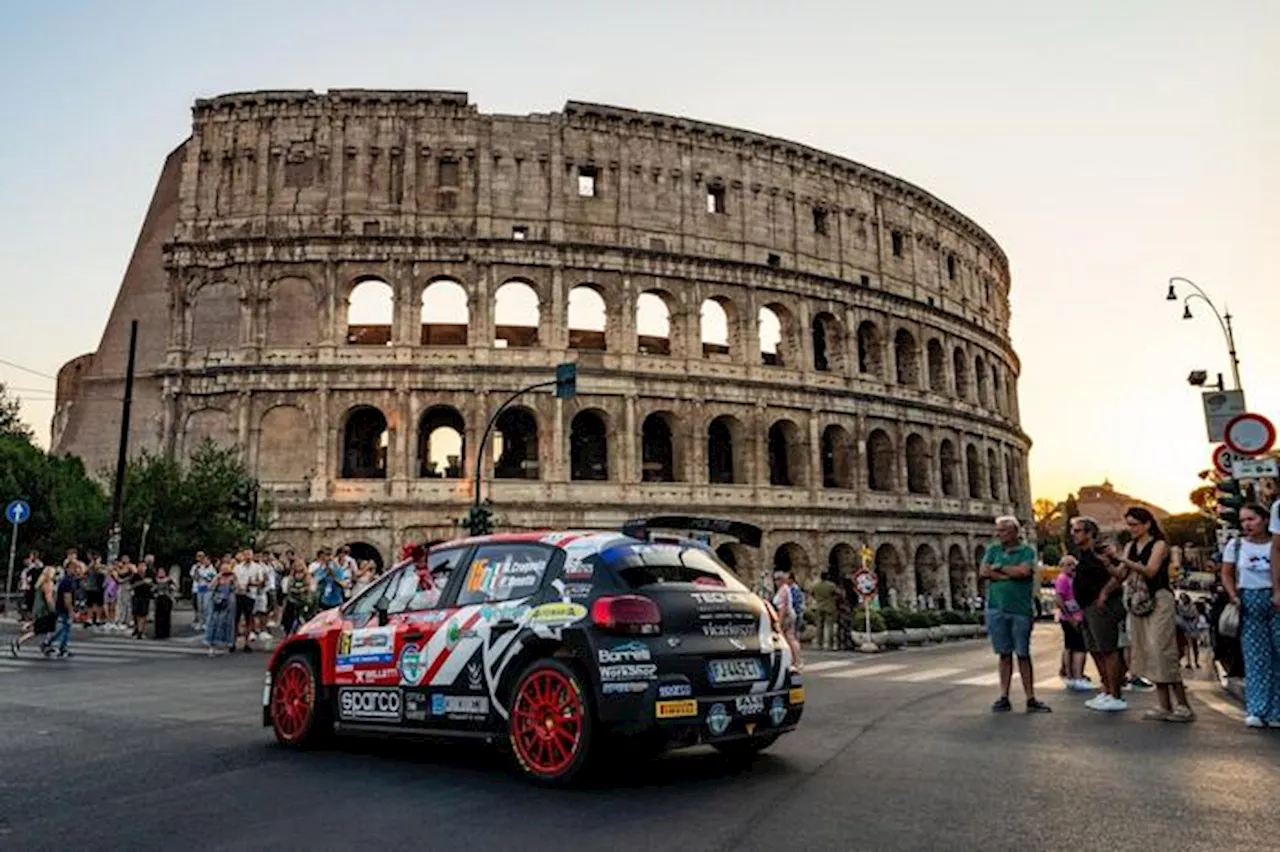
x=94 y=597
x=1103 y=626
x=45 y=624
x=1073 y=637
x=244 y=607
x=1010 y=633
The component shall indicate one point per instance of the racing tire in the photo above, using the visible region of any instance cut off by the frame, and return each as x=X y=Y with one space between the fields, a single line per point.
x=299 y=718
x=746 y=749
x=551 y=726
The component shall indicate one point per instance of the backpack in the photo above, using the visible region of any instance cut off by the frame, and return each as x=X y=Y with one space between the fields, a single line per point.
x=797 y=602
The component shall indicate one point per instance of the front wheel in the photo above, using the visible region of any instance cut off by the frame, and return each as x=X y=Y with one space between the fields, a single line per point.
x=745 y=749
x=551 y=727
x=297 y=717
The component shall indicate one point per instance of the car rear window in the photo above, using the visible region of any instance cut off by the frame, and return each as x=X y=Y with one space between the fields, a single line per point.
x=640 y=565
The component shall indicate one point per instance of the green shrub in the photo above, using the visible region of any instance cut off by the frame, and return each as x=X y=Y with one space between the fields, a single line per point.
x=935 y=618
x=860 y=621
x=952 y=617
x=893 y=619
x=917 y=620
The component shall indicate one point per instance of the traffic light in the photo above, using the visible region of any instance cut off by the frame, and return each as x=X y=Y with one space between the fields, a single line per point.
x=1231 y=497
x=479 y=521
x=566 y=380
x=244 y=501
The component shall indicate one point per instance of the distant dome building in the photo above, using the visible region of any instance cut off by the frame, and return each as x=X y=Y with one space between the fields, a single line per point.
x=1107 y=506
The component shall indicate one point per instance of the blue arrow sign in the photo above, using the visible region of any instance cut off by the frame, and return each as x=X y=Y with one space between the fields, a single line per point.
x=17 y=512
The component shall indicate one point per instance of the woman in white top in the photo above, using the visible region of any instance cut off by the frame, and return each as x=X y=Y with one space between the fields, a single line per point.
x=1247 y=577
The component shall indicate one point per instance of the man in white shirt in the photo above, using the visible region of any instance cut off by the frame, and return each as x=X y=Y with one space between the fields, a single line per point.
x=202 y=576
x=249 y=581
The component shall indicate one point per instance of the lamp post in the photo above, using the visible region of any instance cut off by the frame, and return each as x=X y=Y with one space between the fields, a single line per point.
x=1224 y=321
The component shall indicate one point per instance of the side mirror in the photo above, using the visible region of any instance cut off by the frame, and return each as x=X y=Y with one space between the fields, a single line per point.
x=383 y=618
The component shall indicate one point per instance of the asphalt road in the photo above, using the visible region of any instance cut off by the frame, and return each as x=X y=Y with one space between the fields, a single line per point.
x=130 y=747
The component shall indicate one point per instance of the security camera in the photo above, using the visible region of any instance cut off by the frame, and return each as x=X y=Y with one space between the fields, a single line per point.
x=1198 y=378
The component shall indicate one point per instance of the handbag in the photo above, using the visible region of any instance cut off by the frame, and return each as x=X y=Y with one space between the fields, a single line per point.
x=1229 y=621
x=1137 y=596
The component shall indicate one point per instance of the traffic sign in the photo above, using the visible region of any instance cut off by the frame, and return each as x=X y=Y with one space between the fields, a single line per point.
x=866 y=583
x=1220 y=406
x=1224 y=457
x=17 y=512
x=1255 y=468
x=1250 y=434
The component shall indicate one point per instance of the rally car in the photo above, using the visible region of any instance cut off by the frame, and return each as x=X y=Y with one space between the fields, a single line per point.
x=560 y=645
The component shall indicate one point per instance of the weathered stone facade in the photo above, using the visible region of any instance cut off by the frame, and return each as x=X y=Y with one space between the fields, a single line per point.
x=886 y=415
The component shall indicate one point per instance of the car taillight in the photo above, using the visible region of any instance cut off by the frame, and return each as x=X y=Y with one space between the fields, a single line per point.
x=630 y=614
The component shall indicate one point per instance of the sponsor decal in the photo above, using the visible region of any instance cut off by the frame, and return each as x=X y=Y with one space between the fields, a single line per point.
x=631 y=652
x=459 y=706
x=739 y=644
x=675 y=690
x=624 y=688
x=721 y=597
x=475 y=682
x=576 y=567
x=431 y=617
x=727 y=631
x=676 y=709
x=415 y=706
x=379 y=705
x=796 y=696
x=558 y=614
x=412 y=665
x=366 y=646
x=777 y=711
x=578 y=590
x=388 y=676
x=718 y=719
x=437 y=705
x=456 y=633
x=749 y=705
x=629 y=671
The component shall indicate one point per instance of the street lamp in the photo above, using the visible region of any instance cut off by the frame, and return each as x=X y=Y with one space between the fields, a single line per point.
x=1224 y=321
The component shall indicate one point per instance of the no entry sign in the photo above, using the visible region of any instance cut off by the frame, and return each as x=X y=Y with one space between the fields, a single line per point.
x=1250 y=434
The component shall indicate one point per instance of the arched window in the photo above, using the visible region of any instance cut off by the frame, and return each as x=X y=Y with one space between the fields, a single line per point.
x=794 y=558
x=980 y=375
x=993 y=474
x=653 y=324
x=828 y=348
x=974 y=467
x=890 y=574
x=960 y=366
x=958 y=571
x=587 y=319
x=881 y=464
x=786 y=455
x=515 y=445
x=905 y=359
x=937 y=367
x=588 y=447
x=929 y=579
x=1011 y=478
x=714 y=320
x=445 y=314
x=842 y=560
x=369 y=313
x=723 y=464
x=441 y=442
x=949 y=461
x=870 y=349
x=917 y=465
x=364 y=444
x=997 y=392
x=516 y=314
x=837 y=458
x=771 y=333
x=657 y=446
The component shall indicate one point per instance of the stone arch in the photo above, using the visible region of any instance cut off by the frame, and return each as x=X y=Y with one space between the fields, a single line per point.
x=587 y=319
x=589 y=446
x=370 y=313
x=725 y=450
x=881 y=464
x=1010 y=478
x=890 y=573
x=517 y=310
x=837 y=457
x=842 y=561
x=980 y=375
x=364 y=443
x=997 y=391
x=792 y=557
x=870 y=349
x=993 y=474
x=937 y=366
x=974 y=466
x=211 y=423
x=957 y=570
x=442 y=443
x=905 y=358
x=929 y=576
x=960 y=368
x=777 y=336
x=362 y=551
x=654 y=331
x=828 y=343
x=215 y=316
x=949 y=464
x=444 y=313
x=718 y=325
x=787 y=455
x=286 y=445
x=658 y=462
x=739 y=559
x=515 y=444
x=292 y=315
x=918 y=479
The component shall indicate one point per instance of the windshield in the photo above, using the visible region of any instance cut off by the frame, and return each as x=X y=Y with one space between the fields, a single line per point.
x=651 y=564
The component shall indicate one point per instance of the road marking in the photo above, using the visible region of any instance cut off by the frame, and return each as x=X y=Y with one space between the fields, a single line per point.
x=927 y=674
x=1220 y=706
x=867 y=671
x=829 y=664
x=990 y=679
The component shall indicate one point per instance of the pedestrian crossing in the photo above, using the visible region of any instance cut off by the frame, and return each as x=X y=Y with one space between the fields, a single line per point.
x=89 y=652
x=982 y=673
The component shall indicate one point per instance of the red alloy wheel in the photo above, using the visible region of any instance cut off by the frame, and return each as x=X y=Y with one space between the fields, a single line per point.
x=547 y=722
x=293 y=701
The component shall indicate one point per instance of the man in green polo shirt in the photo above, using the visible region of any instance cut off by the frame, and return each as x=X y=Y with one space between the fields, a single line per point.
x=1009 y=568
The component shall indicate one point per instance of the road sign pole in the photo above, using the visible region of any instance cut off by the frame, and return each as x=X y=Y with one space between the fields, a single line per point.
x=13 y=555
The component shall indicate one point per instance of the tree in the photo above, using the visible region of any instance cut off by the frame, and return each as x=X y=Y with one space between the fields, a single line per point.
x=11 y=422
x=1188 y=528
x=1044 y=511
x=1204 y=498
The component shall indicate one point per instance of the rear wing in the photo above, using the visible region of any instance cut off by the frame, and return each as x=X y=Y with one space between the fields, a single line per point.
x=751 y=536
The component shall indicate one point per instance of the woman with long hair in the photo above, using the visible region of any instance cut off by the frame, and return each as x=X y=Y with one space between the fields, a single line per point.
x=44 y=618
x=1246 y=575
x=1153 y=631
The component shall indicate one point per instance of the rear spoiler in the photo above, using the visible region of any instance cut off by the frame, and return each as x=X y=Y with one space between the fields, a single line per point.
x=750 y=535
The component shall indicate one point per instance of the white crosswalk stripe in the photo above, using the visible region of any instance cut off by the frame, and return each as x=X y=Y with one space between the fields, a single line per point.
x=918 y=671
x=96 y=651
x=865 y=671
x=927 y=675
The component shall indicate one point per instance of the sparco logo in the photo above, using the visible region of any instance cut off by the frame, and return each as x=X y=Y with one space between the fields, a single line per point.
x=369 y=704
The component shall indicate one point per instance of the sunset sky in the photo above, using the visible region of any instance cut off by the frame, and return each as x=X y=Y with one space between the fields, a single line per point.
x=1107 y=146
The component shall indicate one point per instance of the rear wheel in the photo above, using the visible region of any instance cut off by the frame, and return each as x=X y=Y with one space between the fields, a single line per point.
x=297 y=717
x=745 y=749
x=551 y=727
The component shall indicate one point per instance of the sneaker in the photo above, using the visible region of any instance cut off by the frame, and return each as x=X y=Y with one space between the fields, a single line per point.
x=1001 y=705
x=13 y=648
x=1142 y=683
x=1092 y=703
x=1252 y=721
x=1035 y=705
x=1111 y=704
x=64 y=653
x=1079 y=685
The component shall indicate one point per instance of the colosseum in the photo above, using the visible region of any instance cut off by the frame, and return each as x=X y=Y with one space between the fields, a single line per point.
x=345 y=285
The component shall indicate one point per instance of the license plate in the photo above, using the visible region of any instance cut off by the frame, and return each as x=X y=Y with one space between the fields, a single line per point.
x=734 y=671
